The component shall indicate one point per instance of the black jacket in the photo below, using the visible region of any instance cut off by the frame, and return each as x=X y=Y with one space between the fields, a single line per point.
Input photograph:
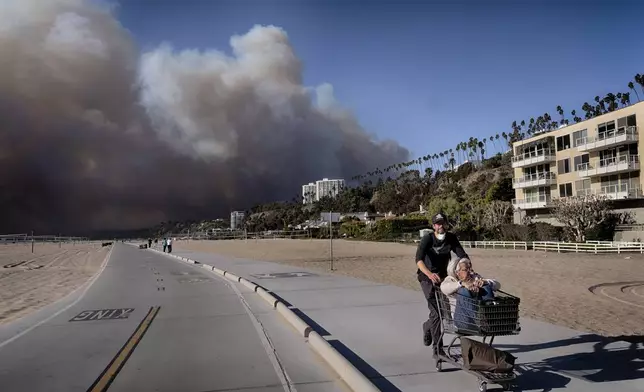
x=437 y=254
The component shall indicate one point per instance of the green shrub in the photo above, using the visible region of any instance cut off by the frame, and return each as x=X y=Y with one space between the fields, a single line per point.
x=388 y=228
x=546 y=232
x=353 y=229
x=539 y=231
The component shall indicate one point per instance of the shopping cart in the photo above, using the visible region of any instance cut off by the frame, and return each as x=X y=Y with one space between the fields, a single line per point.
x=481 y=318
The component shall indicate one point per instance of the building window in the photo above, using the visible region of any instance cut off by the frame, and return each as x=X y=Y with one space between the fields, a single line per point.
x=565 y=190
x=581 y=162
x=579 y=137
x=582 y=187
x=606 y=130
x=563 y=166
x=628 y=121
x=563 y=142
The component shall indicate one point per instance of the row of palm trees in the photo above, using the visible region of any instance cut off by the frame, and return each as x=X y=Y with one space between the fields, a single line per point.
x=475 y=149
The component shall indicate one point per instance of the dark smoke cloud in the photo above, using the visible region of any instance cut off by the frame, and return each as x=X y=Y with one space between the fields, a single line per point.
x=95 y=135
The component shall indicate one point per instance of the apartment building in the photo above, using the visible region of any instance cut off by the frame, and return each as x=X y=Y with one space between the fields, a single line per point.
x=309 y=193
x=595 y=156
x=237 y=220
x=326 y=187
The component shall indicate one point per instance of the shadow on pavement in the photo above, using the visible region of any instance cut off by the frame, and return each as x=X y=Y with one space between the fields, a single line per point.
x=376 y=378
x=315 y=326
x=603 y=364
x=536 y=379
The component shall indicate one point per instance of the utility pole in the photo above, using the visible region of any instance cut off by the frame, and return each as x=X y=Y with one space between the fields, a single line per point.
x=331 y=236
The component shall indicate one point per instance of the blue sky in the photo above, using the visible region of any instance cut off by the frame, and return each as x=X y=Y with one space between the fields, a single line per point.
x=428 y=74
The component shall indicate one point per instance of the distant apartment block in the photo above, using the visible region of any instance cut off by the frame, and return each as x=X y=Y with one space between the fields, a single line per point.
x=326 y=187
x=309 y=193
x=237 y=220
x=596 y=156
x=314 y=191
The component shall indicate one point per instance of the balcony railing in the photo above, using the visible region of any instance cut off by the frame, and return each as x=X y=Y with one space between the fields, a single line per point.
x=533 y=157
x=607 y=139
x=615 y=192
x=619 y=164
x=534 y=179
x=532 y=201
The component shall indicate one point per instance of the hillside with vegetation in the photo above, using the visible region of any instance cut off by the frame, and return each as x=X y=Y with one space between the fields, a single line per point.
x=471 y=183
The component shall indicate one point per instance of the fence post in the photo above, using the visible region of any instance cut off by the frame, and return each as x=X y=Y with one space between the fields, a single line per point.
x=558 y=248
x=595 y=248
x=618 y=249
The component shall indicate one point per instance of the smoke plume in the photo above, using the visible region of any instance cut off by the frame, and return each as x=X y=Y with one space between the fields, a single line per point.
x=96 y=135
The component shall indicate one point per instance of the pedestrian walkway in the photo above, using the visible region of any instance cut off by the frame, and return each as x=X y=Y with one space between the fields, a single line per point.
x=378 y=328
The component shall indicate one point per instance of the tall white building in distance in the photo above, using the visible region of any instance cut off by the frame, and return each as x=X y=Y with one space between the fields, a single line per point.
x=326 y=187
x=237 y=220
x=309 y=193
x=315 y=191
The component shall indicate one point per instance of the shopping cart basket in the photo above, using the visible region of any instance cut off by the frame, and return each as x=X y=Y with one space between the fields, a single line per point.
x=463 y=316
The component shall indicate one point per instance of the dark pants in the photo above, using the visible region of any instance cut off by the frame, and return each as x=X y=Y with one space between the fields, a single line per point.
x=169 y=248
x=433 y=323
x=165 y=247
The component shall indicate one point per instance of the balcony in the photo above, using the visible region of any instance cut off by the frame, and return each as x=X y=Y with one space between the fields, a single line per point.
x=614 y=192
x=531 y=158
x=532 y=201
x=612 y=165
x=534 y=180
x=621 y=136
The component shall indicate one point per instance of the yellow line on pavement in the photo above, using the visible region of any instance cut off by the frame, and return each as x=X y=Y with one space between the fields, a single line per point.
x=109 y=374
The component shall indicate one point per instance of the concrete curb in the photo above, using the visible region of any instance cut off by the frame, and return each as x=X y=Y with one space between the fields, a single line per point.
x=353 y=377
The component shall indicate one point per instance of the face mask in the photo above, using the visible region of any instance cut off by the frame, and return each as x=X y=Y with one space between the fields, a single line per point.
x=440 y=236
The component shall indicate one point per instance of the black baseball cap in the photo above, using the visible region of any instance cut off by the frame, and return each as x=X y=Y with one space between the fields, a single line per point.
x=440 y=217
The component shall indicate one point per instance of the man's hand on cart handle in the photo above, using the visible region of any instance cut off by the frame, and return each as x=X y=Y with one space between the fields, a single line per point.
x=432 y=276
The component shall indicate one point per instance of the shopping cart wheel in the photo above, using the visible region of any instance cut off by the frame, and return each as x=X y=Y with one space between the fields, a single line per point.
x=439 y=366
x=483 y=386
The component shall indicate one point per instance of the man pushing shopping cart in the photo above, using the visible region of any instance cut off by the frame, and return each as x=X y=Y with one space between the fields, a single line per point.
x=432 y=256
x=479 y=309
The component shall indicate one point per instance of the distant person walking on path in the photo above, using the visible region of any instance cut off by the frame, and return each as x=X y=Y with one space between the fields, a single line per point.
x=165 y=244
x=432 y=257
x=169 y=243
x=149 y=242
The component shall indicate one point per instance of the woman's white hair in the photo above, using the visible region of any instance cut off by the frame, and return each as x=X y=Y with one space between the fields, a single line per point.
x=452 y=267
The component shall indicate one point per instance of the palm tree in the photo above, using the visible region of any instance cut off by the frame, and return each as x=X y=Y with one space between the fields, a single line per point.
x=626 y=99
x=561 y=113
x=505 y=137
x=632 y=87
x=639 y=79
x=611 y=100
x=588 y=108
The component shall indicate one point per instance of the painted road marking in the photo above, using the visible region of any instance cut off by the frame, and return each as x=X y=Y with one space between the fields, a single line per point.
x=114 y=367
x=103 y=314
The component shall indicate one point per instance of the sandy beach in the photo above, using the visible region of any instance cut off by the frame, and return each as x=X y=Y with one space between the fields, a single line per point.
x=29 y=281
x=556 y=288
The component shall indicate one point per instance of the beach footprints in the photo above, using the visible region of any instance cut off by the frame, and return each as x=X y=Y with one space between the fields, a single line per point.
x=629 y=293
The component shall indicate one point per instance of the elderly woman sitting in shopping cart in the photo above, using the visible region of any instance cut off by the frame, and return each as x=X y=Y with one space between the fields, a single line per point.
x=468 y=288
x=462 y=279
